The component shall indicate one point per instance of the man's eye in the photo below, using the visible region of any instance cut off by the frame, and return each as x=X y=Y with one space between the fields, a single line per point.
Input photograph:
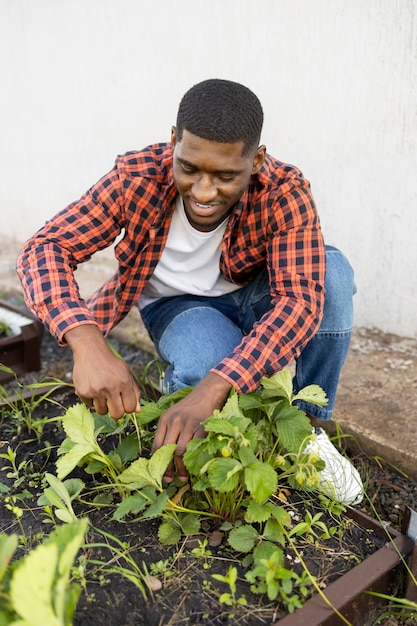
x=226 y=178
x=187 y=170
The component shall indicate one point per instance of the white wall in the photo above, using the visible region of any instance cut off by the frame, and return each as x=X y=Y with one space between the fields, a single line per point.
x=82 y=81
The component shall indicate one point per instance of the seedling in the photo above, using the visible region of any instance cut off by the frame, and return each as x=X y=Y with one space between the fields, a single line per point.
x=60 y=495
x=13 y=468
x=270 y=576
x=203 y=552
x=175 y=524
x=20 y=407
x=229 y=597
x=161 y=568
x=120 y=552
x=309 y=525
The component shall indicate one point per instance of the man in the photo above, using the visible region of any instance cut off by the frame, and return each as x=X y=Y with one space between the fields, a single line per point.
x=223 y=253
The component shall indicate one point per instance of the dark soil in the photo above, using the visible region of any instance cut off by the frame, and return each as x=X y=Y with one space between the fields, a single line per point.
x=188 y=595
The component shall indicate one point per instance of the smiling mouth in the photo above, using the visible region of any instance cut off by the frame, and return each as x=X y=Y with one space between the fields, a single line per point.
x=204 y=205
x=203 y=222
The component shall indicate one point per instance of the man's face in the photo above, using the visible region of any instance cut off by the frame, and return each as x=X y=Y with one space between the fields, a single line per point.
x=211 y=176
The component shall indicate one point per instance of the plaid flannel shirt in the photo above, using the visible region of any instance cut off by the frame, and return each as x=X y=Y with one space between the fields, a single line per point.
x=273 y=225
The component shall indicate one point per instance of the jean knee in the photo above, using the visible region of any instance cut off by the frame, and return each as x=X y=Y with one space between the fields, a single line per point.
x=195 y=341
x=340 y=288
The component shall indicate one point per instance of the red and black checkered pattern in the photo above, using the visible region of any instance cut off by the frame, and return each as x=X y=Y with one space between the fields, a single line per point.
x=274 y=225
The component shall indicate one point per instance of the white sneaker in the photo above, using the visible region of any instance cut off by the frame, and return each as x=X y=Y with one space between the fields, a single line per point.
x=339 y=479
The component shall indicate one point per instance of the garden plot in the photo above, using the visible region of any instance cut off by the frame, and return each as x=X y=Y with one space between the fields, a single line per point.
x=245 y=541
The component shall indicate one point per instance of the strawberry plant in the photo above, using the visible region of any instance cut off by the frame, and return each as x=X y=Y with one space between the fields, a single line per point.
x=36 y=589
x=253 y=449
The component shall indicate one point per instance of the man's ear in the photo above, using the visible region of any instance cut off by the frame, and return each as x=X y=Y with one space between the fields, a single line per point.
x=173 y=136
x=258 y=159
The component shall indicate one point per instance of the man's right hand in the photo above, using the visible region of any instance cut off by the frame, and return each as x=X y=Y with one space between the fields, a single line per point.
x=101 y=379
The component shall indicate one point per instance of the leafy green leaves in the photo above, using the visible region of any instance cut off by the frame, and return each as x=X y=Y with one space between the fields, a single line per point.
x=280 y=386
x=78 y=424
x=40 y=590
x=261 y=481
x=8 y=545
x=223 y=474
x=293 y=427
x=243 y=538
x=171 y=530
x=144 y=472
x=312 y=394
x=60 y=494
x=252 y=448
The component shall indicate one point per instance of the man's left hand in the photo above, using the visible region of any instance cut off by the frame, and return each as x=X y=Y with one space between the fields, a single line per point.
x=183 y=421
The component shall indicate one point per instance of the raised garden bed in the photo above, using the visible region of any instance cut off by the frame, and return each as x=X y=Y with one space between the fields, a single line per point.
x=188 y=590
x=363 y=559
x=20 y=342
x=380 y=572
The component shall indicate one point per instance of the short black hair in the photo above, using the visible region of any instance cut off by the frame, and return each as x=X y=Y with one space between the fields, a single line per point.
x=222 y=111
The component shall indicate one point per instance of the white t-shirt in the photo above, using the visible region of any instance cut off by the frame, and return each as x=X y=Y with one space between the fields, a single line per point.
x=189 y=262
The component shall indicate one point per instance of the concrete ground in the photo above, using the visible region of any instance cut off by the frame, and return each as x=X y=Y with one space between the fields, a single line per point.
x=377 y=398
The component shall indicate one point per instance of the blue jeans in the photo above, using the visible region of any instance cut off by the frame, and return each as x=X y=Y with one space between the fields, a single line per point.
x=194 y=333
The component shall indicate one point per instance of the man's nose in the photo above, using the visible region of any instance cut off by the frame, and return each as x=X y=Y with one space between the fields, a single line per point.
x=204 y=189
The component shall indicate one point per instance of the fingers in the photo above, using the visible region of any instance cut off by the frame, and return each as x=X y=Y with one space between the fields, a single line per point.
x=198 y=431
x=116 y=404
x=181 y=470
x=175 y=426
x=113 y=405
x=125 y=402
x=179 y=465
x=103 y=381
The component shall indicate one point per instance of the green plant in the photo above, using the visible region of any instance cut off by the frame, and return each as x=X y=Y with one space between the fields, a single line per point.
x=253 y=445
x=175 y=524
x=149 y=383
x=28 y=472
x=13 y=469
x=82 y=447
x=310 y=526
x=270 y=576
x=5 y=329
x=37 y=589
x=161 y=568
x=398 y=608
x=229 y=597
x=139 y=484
x=20 y=407
x=203 y=552
x=60 y=495
x=120 y=562
x=253 y=449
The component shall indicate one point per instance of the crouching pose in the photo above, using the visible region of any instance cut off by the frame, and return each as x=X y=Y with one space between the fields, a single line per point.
x=223 y=254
